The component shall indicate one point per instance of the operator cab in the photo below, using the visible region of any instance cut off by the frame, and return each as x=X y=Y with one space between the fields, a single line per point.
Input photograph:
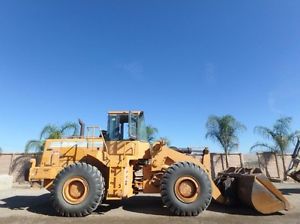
x=126 y=125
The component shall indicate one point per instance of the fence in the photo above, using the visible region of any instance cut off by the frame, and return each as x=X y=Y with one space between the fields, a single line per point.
x=270 y=163
x=18 y=164
x=218 y=162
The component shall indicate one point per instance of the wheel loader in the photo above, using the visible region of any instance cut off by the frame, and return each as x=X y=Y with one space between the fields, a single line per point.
x=294 y=167
x=80 y=172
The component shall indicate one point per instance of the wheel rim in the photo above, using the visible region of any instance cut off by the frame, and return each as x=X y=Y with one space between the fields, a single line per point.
x=187 y=189
x=75 y=190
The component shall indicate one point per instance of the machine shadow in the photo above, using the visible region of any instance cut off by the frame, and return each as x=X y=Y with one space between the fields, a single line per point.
x=288 y=191
x=35 y=204
x=237 y=210
x=151 y=205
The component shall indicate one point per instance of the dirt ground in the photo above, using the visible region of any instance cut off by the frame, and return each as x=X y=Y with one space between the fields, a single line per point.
x=23 y=205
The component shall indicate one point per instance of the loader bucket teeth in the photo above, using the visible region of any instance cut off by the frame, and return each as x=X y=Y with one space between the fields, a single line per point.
x=252 y=188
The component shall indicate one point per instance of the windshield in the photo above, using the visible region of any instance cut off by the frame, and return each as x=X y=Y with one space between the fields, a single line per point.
x=142 y=133
x=113 y=128
x=127 y=127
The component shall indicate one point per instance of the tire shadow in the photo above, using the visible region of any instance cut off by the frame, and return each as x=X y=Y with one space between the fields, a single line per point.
x=146 y=205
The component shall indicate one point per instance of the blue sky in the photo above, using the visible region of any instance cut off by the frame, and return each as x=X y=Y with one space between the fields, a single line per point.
x=179 y=61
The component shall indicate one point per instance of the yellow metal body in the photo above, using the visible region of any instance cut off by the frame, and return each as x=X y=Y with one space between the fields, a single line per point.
x=118 y=161
x=130 y=166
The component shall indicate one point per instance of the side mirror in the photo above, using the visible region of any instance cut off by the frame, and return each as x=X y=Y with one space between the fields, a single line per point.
x=104 y=134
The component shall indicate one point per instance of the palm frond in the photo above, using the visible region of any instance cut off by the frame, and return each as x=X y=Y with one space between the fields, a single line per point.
x=69 y=126
x=212 y=123
x=151 y=133
x=264 y=145
x=280 y=133
x=47 y=131
x=265 y=132
x=282 y=125
x=294 y=135
x=224 y=130
x=34 y=145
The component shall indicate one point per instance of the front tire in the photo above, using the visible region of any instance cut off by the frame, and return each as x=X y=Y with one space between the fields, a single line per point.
x=77 y=190
x=186 y=189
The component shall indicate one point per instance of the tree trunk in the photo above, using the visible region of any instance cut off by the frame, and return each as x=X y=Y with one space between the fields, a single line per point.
x=226 y=158
x=284 y=167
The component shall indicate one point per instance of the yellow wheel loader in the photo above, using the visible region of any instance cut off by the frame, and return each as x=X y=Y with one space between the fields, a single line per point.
x=294 y=167
x=119 y=163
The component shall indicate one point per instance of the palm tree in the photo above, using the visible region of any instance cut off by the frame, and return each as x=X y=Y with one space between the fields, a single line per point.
x=51 y=132
x=0 y=150
x=151 y=133
x=224 y=130
x=281 y=136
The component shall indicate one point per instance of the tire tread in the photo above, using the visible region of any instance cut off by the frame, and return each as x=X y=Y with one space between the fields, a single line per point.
x=169 y=201
x=98 y=195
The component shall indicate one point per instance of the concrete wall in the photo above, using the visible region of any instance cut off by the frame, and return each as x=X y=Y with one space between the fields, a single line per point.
x=271 y=164
x=5 y=161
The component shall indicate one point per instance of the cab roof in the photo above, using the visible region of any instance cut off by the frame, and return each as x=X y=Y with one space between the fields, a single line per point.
x=123 y=112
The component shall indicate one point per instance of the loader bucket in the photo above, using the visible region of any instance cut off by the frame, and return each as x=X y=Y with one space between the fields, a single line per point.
x=252 y=188
x=258 y=192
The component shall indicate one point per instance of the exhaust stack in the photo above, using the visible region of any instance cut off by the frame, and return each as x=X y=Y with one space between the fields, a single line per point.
x=82 y=128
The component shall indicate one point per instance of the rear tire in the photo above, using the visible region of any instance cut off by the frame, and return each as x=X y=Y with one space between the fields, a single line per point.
x=77 y=190
x=186 y=189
